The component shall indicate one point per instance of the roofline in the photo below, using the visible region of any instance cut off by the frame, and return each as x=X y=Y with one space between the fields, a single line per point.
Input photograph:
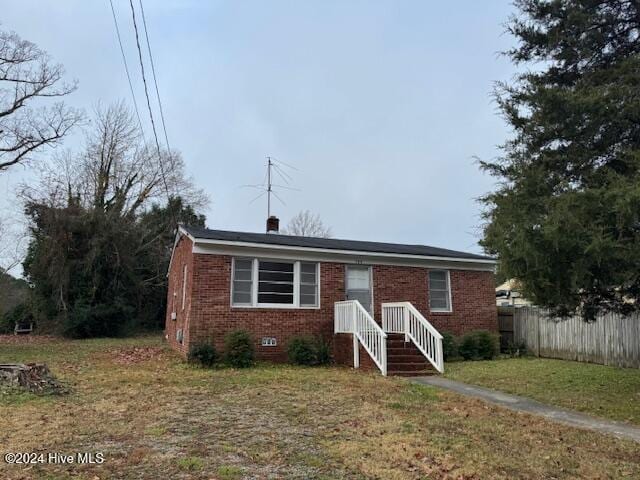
x=179 y=233
x=335 y=250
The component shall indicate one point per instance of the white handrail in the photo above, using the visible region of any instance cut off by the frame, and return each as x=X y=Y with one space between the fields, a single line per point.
x=351 y=317
x=403 y=317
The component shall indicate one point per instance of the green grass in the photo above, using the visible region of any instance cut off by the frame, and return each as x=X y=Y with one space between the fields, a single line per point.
x=191 y=463
x=600 y=390
x=229 y=472
x=152 y=414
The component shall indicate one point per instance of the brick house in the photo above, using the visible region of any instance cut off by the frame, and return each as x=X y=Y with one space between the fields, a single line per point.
x=379 y=304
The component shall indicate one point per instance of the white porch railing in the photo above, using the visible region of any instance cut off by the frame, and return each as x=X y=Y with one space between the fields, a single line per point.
x=351 y=317
x=403 y=317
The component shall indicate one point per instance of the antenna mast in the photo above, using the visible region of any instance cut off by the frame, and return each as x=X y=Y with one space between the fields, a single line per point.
x=267 y=187
x=269 y=165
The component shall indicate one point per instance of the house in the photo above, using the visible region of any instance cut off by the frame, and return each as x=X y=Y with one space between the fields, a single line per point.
x=508 y=295
x=380 y=305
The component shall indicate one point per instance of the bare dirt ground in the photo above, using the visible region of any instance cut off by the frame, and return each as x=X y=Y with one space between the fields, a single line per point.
x=152 y=416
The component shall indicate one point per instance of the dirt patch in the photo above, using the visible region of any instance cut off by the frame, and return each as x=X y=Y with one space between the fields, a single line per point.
x=133 y=355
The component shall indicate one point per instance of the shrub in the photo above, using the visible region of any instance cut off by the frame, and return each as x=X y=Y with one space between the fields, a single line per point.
x=238 y=349
x=468 y=347
x=323 y=351
x=18 y=314
x=516 y=349
x=479 y=344
x=301 y=352
x=308 y=350
x=203 y=354
x=449 y=346
x=488 y=344
x=86 y=320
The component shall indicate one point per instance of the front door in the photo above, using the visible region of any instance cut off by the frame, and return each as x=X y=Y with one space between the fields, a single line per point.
x=359 y=286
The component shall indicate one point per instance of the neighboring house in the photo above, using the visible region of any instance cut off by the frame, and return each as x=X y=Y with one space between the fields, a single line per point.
x=508 y=295
x=280 y=286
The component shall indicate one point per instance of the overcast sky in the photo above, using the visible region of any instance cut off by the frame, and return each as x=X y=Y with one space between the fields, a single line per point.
x=380 y=105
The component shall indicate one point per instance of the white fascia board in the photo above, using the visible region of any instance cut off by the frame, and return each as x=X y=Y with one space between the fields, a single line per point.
x=221 y=247
x=179 y=233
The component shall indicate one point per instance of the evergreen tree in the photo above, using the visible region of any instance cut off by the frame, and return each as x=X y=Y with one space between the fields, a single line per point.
x=565 y=219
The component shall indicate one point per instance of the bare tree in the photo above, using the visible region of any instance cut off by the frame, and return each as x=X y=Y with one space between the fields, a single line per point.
x=116 y=172
x=26 y=75
x=306 y=224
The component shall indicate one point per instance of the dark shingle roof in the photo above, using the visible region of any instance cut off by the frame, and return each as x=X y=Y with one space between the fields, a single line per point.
x=329 y=243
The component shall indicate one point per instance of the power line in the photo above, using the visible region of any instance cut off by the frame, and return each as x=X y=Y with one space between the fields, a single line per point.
x=146 y=93
x=155 y=79
x=126 y=68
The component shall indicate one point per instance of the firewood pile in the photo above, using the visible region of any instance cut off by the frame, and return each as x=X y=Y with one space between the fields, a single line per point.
x=33 y=377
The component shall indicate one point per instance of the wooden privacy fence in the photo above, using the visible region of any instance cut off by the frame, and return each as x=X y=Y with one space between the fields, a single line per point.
x=611 y=340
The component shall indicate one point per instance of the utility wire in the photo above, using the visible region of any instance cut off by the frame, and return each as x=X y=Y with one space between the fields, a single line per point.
x=146 y=93
x=126 y=68
x=155 y=79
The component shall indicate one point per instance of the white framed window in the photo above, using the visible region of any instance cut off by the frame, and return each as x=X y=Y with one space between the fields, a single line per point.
x=242 y=285
x=258 y=282
x=184 y=285
x=309 y=292
x=439 y=291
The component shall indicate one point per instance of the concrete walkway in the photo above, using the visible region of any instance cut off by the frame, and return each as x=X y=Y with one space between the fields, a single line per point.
x=522 y=404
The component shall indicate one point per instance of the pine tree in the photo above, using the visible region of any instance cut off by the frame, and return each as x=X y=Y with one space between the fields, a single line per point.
x=565 y=219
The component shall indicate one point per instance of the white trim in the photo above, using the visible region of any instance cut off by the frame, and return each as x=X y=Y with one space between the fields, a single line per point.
x=254 y=285
x=448 y=279
x=357 y=253
x=184 y=285
x=331 y=256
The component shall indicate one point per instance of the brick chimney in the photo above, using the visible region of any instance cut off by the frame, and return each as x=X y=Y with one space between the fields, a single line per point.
x=273 y=224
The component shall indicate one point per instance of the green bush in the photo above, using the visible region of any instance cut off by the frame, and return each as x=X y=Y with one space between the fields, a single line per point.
x=323 y=351
x=479 y=345
x=308 y=350
x=18 y=314
x=238 y=349
x=86 y=320
x=203 y=354
x=468 y=347
x=488 y=344
x=516 y=349
x=449 y=346
x=301 y=351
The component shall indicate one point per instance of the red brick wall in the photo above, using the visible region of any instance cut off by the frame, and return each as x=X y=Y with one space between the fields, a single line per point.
x=213 y=317
x=472 y=297
x=209 y=315
x=181 y=256
x=342 y=351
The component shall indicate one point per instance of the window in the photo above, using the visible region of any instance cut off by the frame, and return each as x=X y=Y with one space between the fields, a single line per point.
x=439 y=291
x=308 y=284
x=242 y=282
x=274 y=283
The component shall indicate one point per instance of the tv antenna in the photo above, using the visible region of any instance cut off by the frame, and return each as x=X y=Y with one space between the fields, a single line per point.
x=275 y=169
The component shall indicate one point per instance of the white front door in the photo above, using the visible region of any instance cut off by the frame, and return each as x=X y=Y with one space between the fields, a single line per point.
x=359 y=286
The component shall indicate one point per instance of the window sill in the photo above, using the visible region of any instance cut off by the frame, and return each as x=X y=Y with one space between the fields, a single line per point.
x=273 y=307
x=441 y=311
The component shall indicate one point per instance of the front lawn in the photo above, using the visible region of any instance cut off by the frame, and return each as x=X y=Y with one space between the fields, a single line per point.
x=155 y=417
x=608 y=392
